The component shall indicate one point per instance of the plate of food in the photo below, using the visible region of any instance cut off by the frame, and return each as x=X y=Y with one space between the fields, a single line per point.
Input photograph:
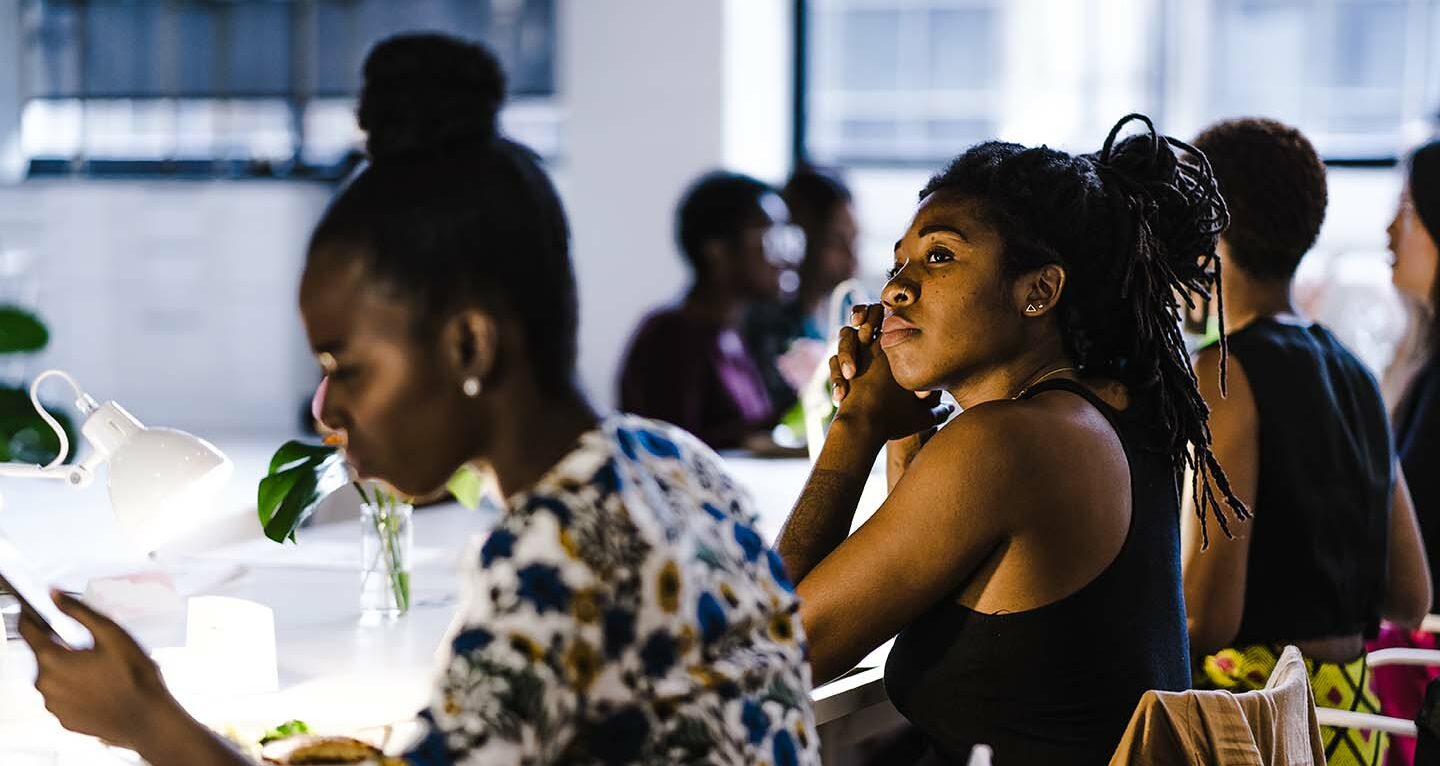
x=294 y=743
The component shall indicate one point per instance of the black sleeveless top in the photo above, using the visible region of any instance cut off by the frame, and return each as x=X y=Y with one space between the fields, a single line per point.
x=1057 y=684
x=1322 y=508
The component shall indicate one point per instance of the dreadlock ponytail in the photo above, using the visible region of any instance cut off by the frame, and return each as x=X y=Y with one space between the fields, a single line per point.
x=1168 y=217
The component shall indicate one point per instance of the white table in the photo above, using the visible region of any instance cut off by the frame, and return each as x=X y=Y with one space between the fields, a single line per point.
x=333 y=671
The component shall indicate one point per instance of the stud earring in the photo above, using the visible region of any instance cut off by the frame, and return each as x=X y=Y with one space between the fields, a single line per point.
x=471 y=387
x=1031 y=309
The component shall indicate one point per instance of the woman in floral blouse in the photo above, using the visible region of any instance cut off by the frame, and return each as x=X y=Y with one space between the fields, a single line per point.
x=624 y=610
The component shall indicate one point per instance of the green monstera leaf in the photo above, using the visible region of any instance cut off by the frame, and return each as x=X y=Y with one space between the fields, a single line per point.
x=301 y=475
x=21 y=331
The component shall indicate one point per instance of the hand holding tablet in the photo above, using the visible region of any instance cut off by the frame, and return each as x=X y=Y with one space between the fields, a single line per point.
x=35 y=599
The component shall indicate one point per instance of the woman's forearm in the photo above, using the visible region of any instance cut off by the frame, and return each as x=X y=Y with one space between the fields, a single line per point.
x=172 y=738
x=822 y=516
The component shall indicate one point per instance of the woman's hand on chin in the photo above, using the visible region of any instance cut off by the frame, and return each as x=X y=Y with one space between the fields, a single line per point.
x=865 y=390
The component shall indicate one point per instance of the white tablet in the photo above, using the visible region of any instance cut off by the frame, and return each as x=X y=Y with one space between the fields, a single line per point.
x=35 y=598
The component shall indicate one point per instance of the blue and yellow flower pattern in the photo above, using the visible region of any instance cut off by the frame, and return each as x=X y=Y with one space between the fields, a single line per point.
x=624 y=610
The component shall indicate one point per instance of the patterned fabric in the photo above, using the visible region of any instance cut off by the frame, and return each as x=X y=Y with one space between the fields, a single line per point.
x=1347 y=686
x=1401 y=688
x=624 y=610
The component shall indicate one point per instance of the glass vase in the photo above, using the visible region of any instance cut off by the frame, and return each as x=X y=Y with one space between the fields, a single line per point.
x=386 y=540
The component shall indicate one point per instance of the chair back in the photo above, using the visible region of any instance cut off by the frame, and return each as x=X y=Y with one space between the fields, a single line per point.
x=1276 y=725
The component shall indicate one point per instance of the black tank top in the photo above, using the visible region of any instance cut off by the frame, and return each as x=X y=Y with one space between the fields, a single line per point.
x=1057 y=684
x=1322 y=508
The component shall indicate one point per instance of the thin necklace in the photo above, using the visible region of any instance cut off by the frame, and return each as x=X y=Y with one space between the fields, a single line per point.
x=1025 y=389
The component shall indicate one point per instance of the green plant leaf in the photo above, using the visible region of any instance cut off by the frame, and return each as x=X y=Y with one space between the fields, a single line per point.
x=467 y=485
x=301 y=475
x=21 y=331
x=24 y=437
x=295 y=450
x=273 y=490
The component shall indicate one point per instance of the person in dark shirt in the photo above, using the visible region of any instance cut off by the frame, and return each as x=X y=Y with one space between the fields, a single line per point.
x=1417 y=416
x=1413 y=383
x=687 y=363
x=1303 y=436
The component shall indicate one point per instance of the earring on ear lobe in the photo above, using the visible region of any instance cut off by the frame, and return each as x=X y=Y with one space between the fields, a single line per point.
x=471 y=387
x=1031 y=309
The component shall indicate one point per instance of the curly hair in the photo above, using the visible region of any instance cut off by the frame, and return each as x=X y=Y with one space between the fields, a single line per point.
x=1274 y=184
x=1135 y=227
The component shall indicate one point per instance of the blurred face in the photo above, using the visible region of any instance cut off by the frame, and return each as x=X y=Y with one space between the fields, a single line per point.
x=767 y=246
x=949 y=312
x=832 y=248
x=1414 y=250
x=394 y=398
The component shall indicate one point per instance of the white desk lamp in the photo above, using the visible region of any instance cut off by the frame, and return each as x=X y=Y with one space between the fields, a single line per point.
x=158 y=476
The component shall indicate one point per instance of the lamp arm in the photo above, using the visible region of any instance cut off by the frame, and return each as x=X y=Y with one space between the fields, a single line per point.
x=85 y=404
x=75 y=475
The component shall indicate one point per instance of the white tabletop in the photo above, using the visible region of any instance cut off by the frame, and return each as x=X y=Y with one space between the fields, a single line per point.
x=334 y=672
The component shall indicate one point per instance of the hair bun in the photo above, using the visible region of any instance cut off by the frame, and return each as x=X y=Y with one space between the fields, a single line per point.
x=425 y=94
x=1168 y=190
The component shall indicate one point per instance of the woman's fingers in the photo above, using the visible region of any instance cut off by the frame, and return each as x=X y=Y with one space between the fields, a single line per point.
x=848 y=354
x=857 y=314
x=875 y=318
x=839 y=387
x=42 y=642
x=98 y=624
x=866 y=318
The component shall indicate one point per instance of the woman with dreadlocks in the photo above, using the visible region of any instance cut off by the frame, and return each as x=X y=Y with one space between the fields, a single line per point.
x=1029 y=555
x=1303 y=434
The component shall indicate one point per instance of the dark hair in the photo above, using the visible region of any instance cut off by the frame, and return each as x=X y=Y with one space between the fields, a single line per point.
x=1274 y=184
x=1423 y=175
x=812 y=193
x=716 y=206
x=1135 y=228
x=448 y=213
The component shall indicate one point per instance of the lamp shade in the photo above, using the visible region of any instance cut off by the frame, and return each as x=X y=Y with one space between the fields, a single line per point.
x=161 y=482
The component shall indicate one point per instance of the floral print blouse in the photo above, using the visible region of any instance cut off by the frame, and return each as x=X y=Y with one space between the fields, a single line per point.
x=624 y=610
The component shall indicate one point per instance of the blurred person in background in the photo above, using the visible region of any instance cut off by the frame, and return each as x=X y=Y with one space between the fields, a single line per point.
x=1304 y=438
x=688 y=363
x=1412 y=385
x=1412 y=238
x=623 y=609
x=788 y=336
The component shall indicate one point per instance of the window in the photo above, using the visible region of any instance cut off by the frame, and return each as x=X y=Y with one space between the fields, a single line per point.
x=902 y=81
x=1354 y=74
x=247 y=87
x=897 y=82
x=891 y=89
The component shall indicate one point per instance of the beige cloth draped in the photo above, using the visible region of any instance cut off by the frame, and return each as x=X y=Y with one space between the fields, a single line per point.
x=1272 y=727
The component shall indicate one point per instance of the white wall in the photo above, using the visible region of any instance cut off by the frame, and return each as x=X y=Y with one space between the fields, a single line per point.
x=175 y=298
x=178 y=298
x=656 y=93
